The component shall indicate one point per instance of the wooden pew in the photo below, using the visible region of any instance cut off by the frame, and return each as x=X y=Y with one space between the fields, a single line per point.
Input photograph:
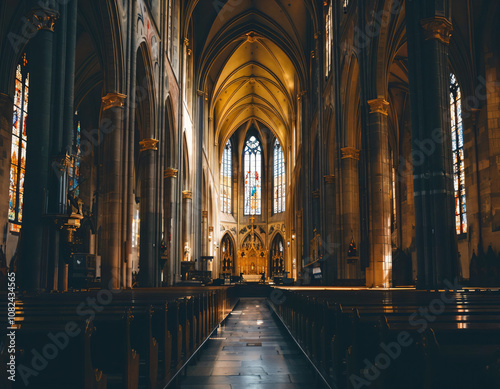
x=70 y=363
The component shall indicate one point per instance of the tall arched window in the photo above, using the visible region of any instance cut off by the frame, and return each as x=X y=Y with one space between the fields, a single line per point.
x=74 y=167
x=253 y=169
x=18 y=149
x=226 y=178
x=328 y=39
x=457 y=141
x=279 y=179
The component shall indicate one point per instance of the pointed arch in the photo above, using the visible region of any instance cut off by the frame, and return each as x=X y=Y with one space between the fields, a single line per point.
x=227 y=254
x=277 y=254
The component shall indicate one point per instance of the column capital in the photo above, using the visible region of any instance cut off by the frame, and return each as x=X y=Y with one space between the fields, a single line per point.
x=170 y=173
x=113 y=100
x=204 y=214
x=380 y=105
x=148 y=144
x=315 y=194
x=437 y=27
x=329 y=179
x=43 y=19
x=350 y=153
x=187 y=194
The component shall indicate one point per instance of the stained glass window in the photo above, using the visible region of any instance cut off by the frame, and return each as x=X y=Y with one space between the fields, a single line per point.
x=226 y=178
x=253 y=168
x=74 y=168
x=18 y=149
x=457 y=144
x=279 y=179
x=328 y=39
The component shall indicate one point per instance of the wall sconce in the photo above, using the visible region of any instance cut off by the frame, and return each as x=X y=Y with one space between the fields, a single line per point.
x=293 y=236
x=288 y=243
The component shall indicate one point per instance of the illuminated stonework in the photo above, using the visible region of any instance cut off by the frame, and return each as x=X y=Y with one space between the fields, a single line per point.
x=43 y=19
x=149 y=144
x=170 y=173
x=379 y=106
x=437 y=28
x=113 y=100
x=350 y=153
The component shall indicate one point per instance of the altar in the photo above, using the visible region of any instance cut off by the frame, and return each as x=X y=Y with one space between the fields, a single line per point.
x=252 y=258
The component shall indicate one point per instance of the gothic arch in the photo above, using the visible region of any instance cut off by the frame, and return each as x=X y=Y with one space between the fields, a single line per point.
x=277 y=255
x=227 y=254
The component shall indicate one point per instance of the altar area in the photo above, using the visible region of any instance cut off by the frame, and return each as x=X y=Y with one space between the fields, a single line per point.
x=252 y=258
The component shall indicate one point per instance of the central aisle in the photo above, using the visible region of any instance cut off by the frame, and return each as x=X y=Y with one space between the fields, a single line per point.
x=251 y=352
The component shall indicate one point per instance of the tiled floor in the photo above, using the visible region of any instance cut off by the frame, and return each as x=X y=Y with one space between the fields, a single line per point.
x=250 y=352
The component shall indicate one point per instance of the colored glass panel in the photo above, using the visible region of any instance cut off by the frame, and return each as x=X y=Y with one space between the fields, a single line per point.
x=252 y=174
x=226 y=178
x=457 y=141
x=279 y=179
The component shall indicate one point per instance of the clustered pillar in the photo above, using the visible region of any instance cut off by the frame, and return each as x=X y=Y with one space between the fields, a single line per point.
x=378 y=274
x=429 y=34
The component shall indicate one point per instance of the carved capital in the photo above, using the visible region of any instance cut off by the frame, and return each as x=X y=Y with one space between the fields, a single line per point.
x=170 y=173
x=187 y=194
x=329 y=179
x=300 y=94
x=148 y=144
x=438 y=28
x=43 y=19
x=379 y=106
x=204 y=214
x=350 y=153
x=113 y=100
x=315 y=194
x=60 y=163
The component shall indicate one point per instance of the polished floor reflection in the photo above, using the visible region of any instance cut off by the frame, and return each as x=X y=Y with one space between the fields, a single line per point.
x=251 y=351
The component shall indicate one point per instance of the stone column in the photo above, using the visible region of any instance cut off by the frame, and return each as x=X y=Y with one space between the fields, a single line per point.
x=169 y=175
x=204 y=239
x=111 y=128
x=349 y=268
x=436 y=243
x=378 y=274
x=300 y=241
x=148 y=258
x=330 y=250
x=187 y=205
x=33 y=260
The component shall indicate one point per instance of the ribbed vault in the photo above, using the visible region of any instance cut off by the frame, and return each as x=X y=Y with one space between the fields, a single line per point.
x=252 y=63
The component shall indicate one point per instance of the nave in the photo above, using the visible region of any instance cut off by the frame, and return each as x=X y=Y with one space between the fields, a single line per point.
x=251 y=351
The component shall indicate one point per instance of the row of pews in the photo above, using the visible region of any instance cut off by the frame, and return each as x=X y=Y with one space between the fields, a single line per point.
x=101 y=339
x=396 y=338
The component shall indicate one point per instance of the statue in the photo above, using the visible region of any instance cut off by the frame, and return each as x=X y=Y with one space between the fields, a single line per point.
x=315 y=247
x=187 y=252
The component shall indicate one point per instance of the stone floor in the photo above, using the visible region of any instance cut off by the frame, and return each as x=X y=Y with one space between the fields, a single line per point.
x=251 y=351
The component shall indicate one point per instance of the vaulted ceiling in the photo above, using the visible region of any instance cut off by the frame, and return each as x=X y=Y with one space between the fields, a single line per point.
x=252 y=60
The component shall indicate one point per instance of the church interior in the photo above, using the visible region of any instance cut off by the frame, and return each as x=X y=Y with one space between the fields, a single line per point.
x=250 y=194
